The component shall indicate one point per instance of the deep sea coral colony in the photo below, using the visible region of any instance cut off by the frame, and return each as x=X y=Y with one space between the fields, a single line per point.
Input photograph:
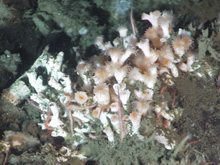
x=117 y=89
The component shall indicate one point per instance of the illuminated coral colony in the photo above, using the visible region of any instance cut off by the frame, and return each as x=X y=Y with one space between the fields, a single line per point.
x=118 y=87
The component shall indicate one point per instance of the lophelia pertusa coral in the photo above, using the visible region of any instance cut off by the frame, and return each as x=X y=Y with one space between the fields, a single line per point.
x=118 y=87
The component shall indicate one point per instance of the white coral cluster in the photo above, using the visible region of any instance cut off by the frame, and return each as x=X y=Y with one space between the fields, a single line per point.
x=42 y=92
x=113 y=83
x=131 y=61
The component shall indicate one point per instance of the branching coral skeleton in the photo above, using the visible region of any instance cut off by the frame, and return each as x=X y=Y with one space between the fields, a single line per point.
x=120 y=114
